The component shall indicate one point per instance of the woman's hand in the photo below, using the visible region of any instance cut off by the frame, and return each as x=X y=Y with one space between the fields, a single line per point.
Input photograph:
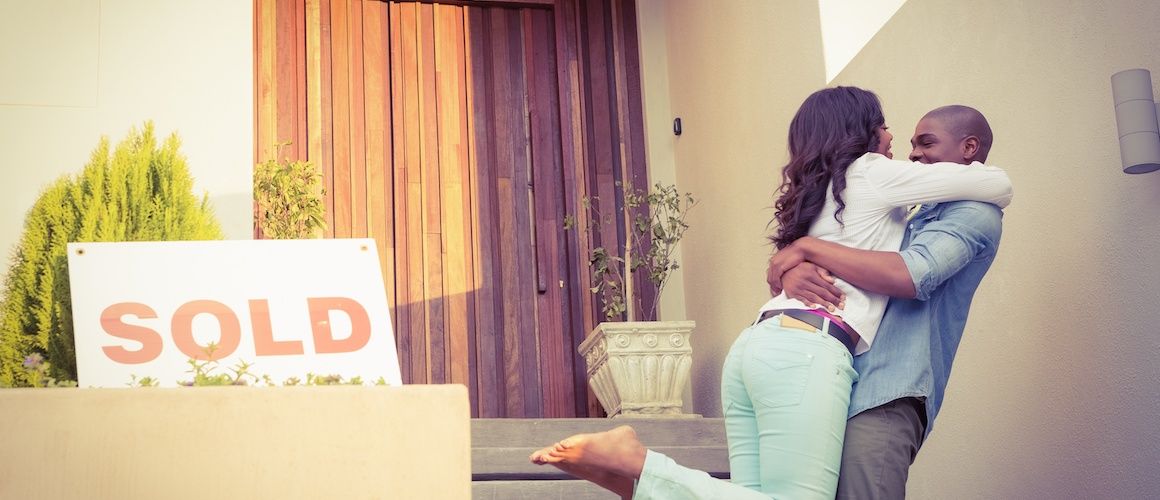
x=782 y=261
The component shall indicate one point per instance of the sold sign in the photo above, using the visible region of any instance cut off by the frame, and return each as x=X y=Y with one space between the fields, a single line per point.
x=287 y=307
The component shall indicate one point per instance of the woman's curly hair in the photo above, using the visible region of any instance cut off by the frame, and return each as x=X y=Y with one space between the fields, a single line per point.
x=832 y=128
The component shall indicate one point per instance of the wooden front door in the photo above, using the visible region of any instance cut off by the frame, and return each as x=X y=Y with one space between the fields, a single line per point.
x=453 y=135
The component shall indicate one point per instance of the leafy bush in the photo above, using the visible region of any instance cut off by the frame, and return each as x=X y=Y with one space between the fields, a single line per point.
x=141 y=191
x=288 y=195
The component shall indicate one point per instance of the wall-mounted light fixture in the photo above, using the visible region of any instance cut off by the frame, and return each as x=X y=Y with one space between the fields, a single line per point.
x=1136 y=121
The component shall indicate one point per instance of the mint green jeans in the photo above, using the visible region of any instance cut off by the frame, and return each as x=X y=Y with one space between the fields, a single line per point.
x=784 y=393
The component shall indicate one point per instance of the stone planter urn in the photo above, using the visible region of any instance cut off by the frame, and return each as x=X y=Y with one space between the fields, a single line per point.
x=639 y=368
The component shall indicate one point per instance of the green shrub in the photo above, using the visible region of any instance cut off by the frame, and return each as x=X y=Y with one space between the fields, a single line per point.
x=288 y=195
x=139 y=192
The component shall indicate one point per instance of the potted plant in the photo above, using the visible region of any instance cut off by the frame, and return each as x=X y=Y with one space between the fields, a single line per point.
x=638 y=367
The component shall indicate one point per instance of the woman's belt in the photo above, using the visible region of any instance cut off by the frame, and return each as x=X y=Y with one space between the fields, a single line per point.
x=815 y=321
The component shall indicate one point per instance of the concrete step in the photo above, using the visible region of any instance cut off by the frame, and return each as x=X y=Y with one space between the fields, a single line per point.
x=539 y=490
x=500 y=448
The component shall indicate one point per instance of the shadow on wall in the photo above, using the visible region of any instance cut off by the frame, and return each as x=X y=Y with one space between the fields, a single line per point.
x=518 y=362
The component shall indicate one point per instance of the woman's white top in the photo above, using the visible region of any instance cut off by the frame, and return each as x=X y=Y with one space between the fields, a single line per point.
x=878 y=192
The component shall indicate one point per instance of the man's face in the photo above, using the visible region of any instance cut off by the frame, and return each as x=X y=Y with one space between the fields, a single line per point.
x=932 y=143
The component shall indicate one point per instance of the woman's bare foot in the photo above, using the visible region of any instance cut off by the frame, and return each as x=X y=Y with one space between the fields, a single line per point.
x=604 y=478
x=611 y=459
x=617 y=451
x=541 y=456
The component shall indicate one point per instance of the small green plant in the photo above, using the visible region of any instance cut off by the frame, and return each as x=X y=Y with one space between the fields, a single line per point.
x=139 y=191
x=143 y=381
x=332 y=379
x=203 y=371
x=207 y=371
x=204 y=374
x=656 y=223
x=288 y=198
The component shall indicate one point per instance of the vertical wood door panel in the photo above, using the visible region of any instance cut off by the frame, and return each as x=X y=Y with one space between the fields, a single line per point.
x=340 y=44
x=451 y=91
x=324 y=159
x=490 y=379
x=379 y=165
x=459 y=136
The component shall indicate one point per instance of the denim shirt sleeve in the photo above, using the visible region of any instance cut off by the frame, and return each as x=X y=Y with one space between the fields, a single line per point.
x=938 y=250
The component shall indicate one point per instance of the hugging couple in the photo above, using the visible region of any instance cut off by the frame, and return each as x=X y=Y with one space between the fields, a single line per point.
x=837 y=382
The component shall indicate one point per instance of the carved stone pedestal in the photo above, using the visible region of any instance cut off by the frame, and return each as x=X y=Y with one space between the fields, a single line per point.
x=640 y=368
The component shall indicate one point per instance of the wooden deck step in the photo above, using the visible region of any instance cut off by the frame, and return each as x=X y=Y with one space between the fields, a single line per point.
x=570 y=489
x=500 y=448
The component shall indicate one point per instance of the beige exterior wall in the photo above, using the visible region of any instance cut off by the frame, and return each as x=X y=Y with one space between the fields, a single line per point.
x=660 y=142
x=1054 y=393
x=74 y=70
x=1055 y=390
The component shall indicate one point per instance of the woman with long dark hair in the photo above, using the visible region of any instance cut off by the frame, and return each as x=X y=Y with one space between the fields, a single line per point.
x=785 y=385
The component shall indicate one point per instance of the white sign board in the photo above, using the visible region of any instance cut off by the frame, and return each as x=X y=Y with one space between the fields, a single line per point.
x=286 y=307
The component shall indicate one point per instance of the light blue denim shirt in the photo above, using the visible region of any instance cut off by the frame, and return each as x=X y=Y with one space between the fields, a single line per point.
x=947 y=248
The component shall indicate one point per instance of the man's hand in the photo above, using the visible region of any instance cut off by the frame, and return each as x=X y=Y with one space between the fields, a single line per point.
x=874 y=271
x=782 y=261
x=814 y=286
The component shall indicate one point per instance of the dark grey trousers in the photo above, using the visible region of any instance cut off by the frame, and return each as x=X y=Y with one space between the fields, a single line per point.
x=881 y=443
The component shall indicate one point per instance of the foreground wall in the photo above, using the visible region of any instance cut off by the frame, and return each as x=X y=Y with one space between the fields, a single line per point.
x=1055 y=389
x=236 y=442
x=75 y=70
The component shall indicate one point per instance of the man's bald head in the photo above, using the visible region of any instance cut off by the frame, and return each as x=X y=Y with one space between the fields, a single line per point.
x=954 y=133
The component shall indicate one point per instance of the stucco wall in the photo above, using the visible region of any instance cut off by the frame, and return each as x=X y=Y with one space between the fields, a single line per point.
x=74 y=70
x=1056 y=385
x=660 y=142
x=1055 y=390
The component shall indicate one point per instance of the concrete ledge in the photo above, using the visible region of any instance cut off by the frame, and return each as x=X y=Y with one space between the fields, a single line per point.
x=236 y=442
